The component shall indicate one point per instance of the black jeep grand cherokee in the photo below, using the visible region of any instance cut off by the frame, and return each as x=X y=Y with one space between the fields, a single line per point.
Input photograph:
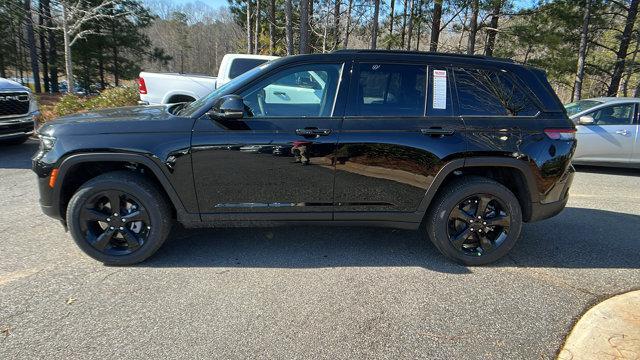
x=469 y=147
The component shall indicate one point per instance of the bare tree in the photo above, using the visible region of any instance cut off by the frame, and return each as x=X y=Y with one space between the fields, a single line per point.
x=336 y=23
x=43 y=46
x=288 y=26
x=410 y=24
x=31 y=41
x=492 y=31
x=473 y=27
x=374 y=27
x=391 y=20
x=582 y=52
x=621 y=54
x=347 y=27
x=256 y=46
x=249 y=38
x=435 y=27
x=272 y=26
x=304 y=26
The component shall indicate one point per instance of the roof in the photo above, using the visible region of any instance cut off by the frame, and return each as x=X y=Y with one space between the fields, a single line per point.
x=429 y=53
x=611 y=99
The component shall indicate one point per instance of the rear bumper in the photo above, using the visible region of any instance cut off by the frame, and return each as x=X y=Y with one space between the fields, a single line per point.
x=541 y=211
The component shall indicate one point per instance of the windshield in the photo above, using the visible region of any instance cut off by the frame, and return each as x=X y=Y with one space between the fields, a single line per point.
x=580 y=106
x=191 y=108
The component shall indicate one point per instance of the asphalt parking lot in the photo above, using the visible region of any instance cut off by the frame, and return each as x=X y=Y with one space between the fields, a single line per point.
x=310 y=292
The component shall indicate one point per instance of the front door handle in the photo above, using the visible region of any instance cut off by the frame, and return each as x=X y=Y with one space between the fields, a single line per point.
x=313 y=132
x=622 y=132
x=437 y=131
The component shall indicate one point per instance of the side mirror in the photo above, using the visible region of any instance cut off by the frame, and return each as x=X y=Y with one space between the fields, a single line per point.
x=228 y=107
x=586 y=120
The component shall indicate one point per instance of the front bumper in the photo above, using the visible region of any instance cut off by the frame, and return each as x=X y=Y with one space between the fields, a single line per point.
x=16 y=127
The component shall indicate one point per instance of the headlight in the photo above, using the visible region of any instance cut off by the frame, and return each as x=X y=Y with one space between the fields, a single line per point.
x=46 y=142
x=33 y=105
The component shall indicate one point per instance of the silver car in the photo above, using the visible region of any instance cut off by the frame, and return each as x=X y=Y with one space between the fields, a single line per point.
x=607 y=131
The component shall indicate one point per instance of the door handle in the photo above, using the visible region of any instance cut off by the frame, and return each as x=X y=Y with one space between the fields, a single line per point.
x=622 y=132
x=437 y=131
x=313 y=132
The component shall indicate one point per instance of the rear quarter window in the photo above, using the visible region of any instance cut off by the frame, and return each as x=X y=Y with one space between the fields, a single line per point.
x=486 y=92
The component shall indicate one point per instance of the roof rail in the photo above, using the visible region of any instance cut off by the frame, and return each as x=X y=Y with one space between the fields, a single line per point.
x=431 y=53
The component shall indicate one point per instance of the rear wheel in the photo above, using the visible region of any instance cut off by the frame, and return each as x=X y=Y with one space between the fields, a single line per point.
x=119 y=218
x=475 y=221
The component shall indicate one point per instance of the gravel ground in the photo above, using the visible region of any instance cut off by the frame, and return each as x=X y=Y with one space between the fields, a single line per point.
x=310 y=292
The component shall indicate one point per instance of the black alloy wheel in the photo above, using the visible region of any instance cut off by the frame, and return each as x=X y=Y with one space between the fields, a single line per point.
x=119 y=218
x=478 y=224
x=115 y=223
x=474 y=220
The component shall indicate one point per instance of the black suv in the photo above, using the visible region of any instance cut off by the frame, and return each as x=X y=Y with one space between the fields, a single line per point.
x=466 y=148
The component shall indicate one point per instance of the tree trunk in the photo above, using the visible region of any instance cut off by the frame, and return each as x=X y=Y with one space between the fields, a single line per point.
x=636 y=92
x=347 y=31
x=582 y=52
x=473 y=27
x=336 y=24
x=256 y=46
x=391 y=19
x=404 y=23
x=249 y=37
x=410 y=24
x=101 y=71
x=68 y=62
x=31 y=41
x=43 y=49
x=304 y=27
x=419 y=25
x=288 y=26
x=625 y=85
x=374 y=29
x=53 y=52
x=493 y=31
x=272 y=27
x=435 y=27
x=622 y=50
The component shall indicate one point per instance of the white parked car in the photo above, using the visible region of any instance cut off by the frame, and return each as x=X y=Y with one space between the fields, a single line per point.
x=607 y=131
x=170 y=88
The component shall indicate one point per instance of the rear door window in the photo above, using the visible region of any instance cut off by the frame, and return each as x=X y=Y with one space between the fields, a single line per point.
x=390 y=90
x=483 y=92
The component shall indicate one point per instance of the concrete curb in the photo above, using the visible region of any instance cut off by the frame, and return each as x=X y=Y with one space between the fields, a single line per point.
x=609 y=330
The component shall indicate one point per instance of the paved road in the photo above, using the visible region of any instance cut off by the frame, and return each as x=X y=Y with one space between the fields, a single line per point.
x=310 y=292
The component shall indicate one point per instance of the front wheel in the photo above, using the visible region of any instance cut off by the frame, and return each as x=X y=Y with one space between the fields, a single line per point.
x=474 y=221
x=119 y=218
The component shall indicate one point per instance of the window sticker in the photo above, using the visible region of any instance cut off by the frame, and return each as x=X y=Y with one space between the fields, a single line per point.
x=439 y=89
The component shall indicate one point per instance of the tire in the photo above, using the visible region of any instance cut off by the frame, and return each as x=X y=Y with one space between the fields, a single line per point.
x=465 y=238
x=139 y=201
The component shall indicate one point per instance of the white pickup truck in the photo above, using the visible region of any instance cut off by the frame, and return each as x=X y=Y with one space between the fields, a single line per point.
x=169 y=88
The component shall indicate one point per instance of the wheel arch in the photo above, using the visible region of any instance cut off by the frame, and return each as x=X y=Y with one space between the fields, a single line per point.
x=77 y=169
x=515 y=174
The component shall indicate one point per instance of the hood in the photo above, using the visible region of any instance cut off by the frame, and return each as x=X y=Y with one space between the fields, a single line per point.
x=135 y=119
x=10 y=85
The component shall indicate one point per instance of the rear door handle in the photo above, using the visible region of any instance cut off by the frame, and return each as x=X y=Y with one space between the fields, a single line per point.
x=313 y=132
x=622 y=132
x=437 y=131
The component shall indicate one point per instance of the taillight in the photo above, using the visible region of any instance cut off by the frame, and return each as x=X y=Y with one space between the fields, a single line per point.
x=560 y=134
x=142 y=87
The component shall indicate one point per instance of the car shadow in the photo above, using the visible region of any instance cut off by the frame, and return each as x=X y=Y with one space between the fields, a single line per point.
x=577 y=238
x=607 y=170
x=17 y=156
